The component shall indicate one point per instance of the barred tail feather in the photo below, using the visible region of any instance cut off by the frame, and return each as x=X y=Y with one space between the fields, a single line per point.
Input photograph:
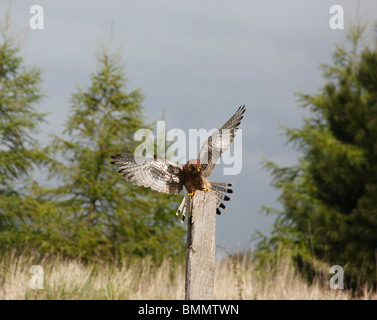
x=221 y=196
x=219 y=205
x=222 y=184
x=222 y=189
x=219 y=189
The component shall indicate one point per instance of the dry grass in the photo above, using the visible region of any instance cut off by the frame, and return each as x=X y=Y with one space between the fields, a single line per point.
x=239 y=279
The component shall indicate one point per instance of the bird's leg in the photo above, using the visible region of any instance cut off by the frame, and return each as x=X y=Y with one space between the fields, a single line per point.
x=181 y=206
x=207 y=189
x=189 y=205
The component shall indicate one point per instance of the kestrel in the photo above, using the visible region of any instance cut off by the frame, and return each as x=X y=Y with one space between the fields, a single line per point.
x=165 y=176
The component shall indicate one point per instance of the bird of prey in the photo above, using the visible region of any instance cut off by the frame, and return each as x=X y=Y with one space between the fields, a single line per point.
x=165 y=176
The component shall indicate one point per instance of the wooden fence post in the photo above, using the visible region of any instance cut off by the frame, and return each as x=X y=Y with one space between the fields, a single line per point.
x=200 y=252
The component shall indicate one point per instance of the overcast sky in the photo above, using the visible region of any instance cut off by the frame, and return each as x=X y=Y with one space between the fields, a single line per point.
x=198 y=61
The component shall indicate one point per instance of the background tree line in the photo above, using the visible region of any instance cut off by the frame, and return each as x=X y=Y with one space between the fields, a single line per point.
x=329 y=199
x=89 y=212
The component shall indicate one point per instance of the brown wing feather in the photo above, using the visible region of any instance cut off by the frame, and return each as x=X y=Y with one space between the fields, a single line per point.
x=159 y=174
x=219 y=142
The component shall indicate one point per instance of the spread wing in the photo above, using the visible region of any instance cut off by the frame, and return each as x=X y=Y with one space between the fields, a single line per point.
x=159 y=174
x=219 y=142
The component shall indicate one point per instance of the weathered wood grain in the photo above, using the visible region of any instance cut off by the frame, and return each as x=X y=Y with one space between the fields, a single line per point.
x=200 y=252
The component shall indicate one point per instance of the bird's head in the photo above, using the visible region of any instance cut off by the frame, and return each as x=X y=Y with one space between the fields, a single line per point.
x=193 y=165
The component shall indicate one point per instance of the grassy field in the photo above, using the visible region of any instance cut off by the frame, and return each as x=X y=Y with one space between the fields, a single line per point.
x=234 y=279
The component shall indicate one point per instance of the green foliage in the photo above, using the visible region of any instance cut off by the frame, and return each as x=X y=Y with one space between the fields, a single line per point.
x=20 y=91
x=112 y=218
x=330 y=197
x=91 y=214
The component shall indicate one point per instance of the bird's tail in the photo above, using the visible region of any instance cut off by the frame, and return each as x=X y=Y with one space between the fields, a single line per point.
x=220 y=188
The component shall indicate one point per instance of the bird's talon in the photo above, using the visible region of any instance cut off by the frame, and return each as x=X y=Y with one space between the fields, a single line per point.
x=191 y=194
x=207 y=189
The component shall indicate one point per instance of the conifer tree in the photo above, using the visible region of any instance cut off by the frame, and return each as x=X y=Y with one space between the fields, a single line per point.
x=330 y=197
x=112 y=218
x=20 y=92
